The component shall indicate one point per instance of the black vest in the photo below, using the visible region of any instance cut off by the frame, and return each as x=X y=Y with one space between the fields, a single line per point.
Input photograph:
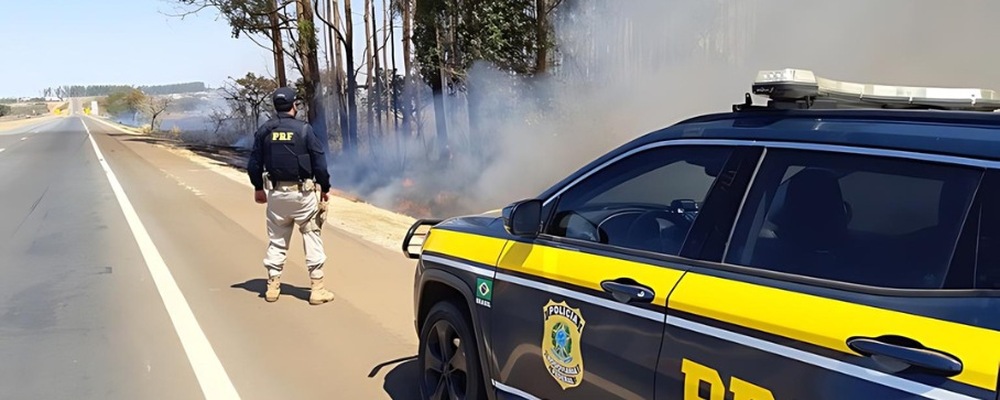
x=286 y=156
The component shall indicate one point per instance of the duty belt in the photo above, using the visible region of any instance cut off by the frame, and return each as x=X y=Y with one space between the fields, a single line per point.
x=295 y=186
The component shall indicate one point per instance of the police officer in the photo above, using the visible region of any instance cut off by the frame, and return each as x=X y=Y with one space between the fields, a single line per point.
x=288 y=161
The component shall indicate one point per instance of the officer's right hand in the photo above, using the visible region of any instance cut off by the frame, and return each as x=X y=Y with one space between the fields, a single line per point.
x=260 y=197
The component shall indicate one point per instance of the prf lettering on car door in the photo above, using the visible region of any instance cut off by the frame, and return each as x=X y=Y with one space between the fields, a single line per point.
x=695 y=374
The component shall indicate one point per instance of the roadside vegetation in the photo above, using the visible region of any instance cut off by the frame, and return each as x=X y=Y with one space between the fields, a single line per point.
x=483 y=88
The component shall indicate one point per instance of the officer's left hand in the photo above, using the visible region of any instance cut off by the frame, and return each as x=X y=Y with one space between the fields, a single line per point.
x=260 y=197
x=324 y=196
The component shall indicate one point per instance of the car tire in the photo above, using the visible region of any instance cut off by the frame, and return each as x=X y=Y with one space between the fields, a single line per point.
x=449 y=356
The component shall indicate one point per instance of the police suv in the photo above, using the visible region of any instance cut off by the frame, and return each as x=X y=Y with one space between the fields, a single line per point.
x=840 y=242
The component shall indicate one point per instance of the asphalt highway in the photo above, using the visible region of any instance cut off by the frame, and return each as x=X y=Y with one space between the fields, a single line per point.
x=131 y=272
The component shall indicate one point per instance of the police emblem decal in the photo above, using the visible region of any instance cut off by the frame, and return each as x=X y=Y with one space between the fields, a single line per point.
x=561 y=343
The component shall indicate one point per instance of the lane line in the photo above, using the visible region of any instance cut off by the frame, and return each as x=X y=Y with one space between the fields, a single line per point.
x=112 y=126
x=24 y=138
x=1 y=150
x=212 y=376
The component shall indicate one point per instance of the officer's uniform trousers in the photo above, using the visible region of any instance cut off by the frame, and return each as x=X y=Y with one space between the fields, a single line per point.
x=290 y=205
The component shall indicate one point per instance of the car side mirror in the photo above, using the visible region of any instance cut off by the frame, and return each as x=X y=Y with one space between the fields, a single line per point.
x=523 y=218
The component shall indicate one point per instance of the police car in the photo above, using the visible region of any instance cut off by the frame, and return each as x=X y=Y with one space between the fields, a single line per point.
x=840 y=242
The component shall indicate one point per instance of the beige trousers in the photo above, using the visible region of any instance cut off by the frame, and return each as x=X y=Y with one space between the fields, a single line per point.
x=285 y=210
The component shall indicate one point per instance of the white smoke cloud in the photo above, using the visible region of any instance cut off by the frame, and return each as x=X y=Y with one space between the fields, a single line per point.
x=642 y=65
x=631 y=67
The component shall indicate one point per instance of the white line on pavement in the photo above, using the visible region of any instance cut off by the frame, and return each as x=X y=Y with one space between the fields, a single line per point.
x=212 y=376
x=1 y=150
x=24 y=138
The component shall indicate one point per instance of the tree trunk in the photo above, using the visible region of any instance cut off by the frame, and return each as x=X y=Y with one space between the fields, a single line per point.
x=369 y=83
x=278 y=49
x=409 y=106
x=437 y=89
x=327 y=36
x=393 y=101
x=386 y=83
x=310 y=71
x=377 y=100
x=333 y=14
x=478 y=133
x=352 y=77
x=542 y=33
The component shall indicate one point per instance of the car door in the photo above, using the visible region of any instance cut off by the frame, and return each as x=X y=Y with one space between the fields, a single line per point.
x=846 y=276
x=578 y=311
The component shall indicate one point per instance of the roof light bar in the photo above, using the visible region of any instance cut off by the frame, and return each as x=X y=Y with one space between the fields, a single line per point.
x=795 y=85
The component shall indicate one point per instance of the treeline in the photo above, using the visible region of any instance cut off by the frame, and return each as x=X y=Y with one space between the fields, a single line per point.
x=373 y=96
x=63 y=92
x=13 y=100
x=177 y=88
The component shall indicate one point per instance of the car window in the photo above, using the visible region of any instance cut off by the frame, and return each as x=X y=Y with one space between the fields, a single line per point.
x=988 y=262
x=851 y=218
x=647 y=201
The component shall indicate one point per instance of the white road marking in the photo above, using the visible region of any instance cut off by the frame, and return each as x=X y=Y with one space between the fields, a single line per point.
x=1 y=150
x=212 y=376
x=117 y=128
x=24 y=138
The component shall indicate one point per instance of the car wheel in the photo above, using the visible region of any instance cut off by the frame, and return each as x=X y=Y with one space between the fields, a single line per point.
x=448 y=356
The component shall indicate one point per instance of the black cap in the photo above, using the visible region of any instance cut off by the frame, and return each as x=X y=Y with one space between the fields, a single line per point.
x=283 y=99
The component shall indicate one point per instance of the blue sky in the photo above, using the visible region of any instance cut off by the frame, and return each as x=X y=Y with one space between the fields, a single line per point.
x=135 y=42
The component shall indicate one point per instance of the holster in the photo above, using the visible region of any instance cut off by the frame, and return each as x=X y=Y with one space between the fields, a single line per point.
x=268 y=184
x=315 y=224
x=321 y=213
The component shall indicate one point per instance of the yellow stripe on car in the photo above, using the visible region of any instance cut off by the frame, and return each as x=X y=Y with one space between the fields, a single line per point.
x=829 y=323
x=586 y=270
x=471 y=247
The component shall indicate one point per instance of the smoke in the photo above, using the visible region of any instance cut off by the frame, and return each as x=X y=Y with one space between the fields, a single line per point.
x=628 y=68
x=198 y=118
x=669 y=60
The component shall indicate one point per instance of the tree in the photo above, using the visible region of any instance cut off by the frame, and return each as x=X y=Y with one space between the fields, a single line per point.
x=345 y=37
x=429 y=21
x=405 y=8
x=336 y=72
x=258 y=18
x=248 y=97
x=154 y=106
x=307 y=47
x=4 y=109
x=125 y=101
x=371 y=60
x=252 y=19
x=449 y=35
x=219 y=118
x=543 y=33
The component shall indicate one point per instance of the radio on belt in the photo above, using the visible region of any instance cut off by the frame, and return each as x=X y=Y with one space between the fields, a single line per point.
x=800 y=88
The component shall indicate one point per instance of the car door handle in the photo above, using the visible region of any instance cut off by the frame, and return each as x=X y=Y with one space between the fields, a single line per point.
x=628 y=291
x=900 y=357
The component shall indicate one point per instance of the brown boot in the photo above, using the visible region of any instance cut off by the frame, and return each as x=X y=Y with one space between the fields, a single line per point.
x=319 y=294
x=273 y=289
